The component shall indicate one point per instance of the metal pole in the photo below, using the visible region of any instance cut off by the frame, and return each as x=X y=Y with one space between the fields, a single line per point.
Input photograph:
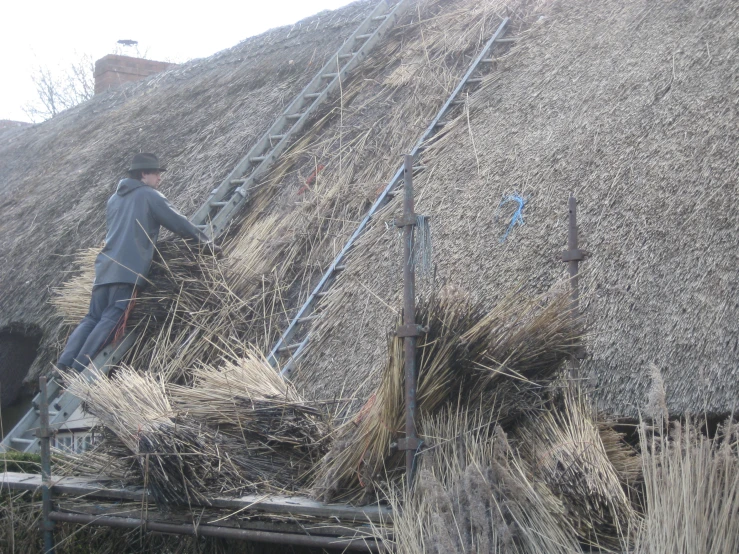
x=409 y=330
x=369 y=544
x=574 y=263
x=573 y=256
x=47 y=525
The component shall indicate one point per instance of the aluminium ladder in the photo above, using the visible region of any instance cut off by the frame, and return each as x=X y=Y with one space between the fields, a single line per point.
x=231 y=195
x=295 y=338
x=235 y=189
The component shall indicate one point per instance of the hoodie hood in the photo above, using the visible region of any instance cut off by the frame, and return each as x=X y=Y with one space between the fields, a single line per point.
x=128 y=185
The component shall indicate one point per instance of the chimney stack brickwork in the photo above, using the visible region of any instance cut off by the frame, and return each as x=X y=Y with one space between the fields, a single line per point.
x=114 y=70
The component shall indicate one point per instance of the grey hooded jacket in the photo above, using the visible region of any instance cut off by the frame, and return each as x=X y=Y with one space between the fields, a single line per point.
x=134 y=214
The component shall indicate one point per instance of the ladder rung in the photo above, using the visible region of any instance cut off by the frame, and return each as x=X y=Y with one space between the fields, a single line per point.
x=364 y=37
x=21 y=441
x=218 y=204
x=345 y=56
x=393 y=192
x=294 y=116
x=257 y=159
x=312 y=95
x=289 y=347
x=474 y=80
x=51 y=414
x=340 y=268
x=329 y=75
x=440 y=124
x=456 y=102
x=380 y=17
x=276 y=137
x=201 y=227
x=308 y=318
x=238 y=181
x=487 y=60
x=505 y=40
x=322 y=294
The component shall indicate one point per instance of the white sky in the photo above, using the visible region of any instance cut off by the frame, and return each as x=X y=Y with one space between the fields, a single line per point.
x=54 y=33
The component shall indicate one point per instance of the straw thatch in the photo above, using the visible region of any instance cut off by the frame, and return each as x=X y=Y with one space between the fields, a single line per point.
x=626 y=105
x=631 y=107
x=200 y=117
x=500 y=360
x=260 y=437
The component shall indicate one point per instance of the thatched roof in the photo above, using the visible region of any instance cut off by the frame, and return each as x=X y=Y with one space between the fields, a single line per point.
x=201 y=117
x=632 y=107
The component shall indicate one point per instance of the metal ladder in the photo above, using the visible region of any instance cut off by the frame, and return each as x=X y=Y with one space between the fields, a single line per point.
x=231 y=195
x=293 y=341
x=235 y=189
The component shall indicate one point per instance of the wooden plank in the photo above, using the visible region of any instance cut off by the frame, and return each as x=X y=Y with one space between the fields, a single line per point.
x=276 y=504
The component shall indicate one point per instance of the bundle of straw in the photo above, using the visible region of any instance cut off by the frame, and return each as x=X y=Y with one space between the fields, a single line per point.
x=248 y=400
x=564 y=447
x=500 y=359
x=180 y=459
x=186 y=309
x=473 y=493
x=691 y=491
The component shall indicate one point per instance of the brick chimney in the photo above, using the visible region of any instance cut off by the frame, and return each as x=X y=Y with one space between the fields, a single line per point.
x=114 y=70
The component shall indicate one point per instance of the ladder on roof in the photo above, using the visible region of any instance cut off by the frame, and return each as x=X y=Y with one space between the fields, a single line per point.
x=231 y=195
x=234 y=191
x=293 y=341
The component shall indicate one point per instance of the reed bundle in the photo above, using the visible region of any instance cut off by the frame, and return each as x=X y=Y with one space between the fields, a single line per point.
x=179 y=458
x=473 y=493
x=247 y=399
x=624 y=458
x=500 y=359
x=691 y=485
x=186 y=310
x=566 y=452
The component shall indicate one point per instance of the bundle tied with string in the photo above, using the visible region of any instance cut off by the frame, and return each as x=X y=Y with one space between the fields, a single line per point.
x=500 y=359
x=180 y=459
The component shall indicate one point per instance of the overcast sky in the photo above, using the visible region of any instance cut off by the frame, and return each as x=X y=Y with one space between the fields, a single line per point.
x=54 y=33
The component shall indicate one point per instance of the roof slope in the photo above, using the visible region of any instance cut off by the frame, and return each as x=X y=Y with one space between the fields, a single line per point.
x=201 y=118
x=632 y=107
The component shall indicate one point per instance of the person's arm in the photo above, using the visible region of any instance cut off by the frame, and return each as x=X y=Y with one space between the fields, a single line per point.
x=168 y=217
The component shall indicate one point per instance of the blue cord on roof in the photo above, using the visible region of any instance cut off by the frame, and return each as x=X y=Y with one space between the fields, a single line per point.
x=517 y=216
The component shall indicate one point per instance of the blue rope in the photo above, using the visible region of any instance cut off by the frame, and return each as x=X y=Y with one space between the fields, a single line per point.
x=517 y=216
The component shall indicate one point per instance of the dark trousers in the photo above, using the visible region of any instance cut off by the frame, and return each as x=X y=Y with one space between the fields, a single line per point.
x=107 y=307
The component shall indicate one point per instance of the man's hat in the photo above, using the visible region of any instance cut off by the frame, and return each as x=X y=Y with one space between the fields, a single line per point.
x=145 y=162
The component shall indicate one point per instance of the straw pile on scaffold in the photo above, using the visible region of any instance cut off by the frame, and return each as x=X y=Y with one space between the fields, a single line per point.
x=248 y=400
x=547 y=485
x=565 y=449
x=500 y=359
x=474 y=493
x=261 y=437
